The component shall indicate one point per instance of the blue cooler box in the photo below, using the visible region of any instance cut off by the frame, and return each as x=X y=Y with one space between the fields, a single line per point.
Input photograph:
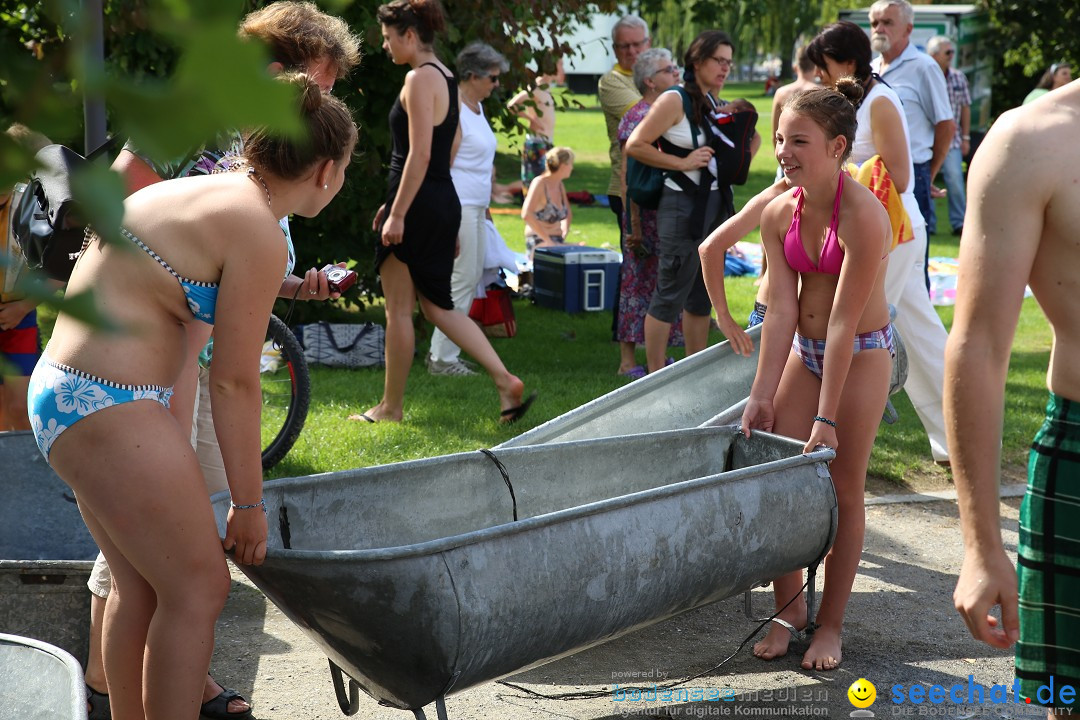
x=573 y=278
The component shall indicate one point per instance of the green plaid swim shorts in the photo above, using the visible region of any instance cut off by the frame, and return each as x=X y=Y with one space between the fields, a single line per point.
x=1048 y=563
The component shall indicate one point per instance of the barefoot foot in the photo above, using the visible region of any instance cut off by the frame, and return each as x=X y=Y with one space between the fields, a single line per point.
x=511 y=390
x=776 y=641
x=824 y=651
x=378 y=414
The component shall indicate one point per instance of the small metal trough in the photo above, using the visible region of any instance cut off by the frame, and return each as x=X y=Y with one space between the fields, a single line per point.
x=39 y=681
x=46 y=552
x=708 y=388
x=423 y=578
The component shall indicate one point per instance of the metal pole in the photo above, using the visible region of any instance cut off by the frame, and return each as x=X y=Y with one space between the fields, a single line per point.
x=94 y=105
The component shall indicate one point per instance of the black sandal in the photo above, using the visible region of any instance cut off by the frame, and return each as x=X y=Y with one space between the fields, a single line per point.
x=217 y=708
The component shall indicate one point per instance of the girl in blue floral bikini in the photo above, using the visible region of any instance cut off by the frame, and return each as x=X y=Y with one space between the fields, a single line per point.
x=131 y=465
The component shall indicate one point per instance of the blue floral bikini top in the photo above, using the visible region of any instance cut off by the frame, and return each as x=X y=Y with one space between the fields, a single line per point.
x=201 y=296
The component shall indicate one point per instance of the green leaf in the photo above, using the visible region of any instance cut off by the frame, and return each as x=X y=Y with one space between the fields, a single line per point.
x=220 y=82
x=80 y=306
x=100 y=192
x=16 y=162
x=179 y=18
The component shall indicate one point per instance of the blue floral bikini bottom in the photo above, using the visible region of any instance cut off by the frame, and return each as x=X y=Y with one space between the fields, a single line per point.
x=59 y=396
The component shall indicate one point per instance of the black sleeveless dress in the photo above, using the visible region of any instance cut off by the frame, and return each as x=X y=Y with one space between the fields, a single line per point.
x=432 y=221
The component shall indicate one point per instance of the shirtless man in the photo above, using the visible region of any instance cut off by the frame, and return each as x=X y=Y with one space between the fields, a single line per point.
x=1020 y=229
x=537 y=108
x=805 y=78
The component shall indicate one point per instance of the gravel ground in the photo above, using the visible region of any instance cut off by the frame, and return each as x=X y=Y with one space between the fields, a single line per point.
x=901 y=630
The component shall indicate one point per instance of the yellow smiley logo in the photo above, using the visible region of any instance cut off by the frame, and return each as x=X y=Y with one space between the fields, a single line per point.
x=862 y=693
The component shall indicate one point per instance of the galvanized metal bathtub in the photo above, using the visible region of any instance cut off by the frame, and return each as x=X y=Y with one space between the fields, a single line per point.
x=423 y=578
x=39 y=681
x=46 y=552
x=705 y=389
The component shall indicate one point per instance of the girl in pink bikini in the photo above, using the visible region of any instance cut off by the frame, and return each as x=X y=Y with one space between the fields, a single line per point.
x=825 y=361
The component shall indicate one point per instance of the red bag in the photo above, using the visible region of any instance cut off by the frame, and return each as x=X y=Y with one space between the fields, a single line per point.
x=495 y=313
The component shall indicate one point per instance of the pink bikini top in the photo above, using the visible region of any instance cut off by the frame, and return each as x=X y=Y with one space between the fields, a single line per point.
x=832 y=255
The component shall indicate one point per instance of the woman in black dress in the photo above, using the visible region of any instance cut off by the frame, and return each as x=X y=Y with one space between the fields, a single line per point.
x=419 y=221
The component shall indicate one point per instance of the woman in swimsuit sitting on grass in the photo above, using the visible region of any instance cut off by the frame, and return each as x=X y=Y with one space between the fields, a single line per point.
x=98 y=400
x=825 y=361
x=546 y=211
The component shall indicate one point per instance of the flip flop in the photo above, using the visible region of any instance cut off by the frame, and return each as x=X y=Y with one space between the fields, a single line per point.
x=364 y=417
x=217 y=708
x=512 y=415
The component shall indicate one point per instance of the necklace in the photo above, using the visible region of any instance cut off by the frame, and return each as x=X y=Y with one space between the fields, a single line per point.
x=473 y=105
x=252 y=173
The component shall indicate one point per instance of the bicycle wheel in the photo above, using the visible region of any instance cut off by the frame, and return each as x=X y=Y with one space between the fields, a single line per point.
x=286 y=392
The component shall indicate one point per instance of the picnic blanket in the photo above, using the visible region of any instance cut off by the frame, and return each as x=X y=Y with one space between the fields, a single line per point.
x=744 y=259
x=943 y=281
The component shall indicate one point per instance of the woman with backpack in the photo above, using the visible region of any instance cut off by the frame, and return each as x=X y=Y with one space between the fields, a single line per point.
x=692 y=203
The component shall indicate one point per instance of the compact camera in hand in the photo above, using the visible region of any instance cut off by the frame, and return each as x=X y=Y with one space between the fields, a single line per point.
x=338 y=278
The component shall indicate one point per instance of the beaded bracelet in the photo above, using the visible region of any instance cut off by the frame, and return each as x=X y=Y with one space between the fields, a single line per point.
x=261 y=503
x=827 y=421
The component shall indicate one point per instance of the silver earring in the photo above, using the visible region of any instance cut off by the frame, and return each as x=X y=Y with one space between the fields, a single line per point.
x=325 y=187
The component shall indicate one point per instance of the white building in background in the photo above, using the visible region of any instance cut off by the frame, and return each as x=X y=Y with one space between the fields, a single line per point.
x=592 y=55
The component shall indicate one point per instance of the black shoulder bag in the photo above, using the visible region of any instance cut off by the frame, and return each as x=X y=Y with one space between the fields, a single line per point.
x=46 y=222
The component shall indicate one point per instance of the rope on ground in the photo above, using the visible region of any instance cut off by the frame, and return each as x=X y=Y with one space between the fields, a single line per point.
x=593 y=694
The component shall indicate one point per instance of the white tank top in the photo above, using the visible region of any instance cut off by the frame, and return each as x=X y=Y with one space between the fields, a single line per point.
x=864 y=148
x=471 y=170
x=679 y=136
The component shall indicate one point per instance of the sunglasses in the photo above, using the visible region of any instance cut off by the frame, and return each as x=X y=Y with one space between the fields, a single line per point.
x=950 y=53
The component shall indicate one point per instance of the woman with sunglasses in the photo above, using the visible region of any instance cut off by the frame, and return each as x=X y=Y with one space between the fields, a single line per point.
x=692 y=203
x=654 y=73
x=479 y=66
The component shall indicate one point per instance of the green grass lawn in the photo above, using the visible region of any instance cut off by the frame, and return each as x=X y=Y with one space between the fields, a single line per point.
x=571 y=359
